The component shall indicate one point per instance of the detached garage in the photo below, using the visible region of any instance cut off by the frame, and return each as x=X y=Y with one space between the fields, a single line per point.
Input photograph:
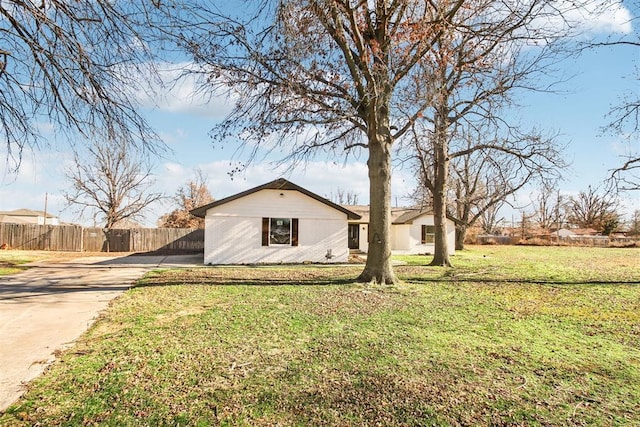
x=278 y=222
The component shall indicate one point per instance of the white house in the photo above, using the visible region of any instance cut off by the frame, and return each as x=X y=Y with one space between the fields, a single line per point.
x=278 y=222
x=412 y=231
x=28 y=216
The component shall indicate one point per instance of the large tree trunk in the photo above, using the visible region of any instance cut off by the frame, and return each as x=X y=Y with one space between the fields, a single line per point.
x=378 y=268
x=441 y=252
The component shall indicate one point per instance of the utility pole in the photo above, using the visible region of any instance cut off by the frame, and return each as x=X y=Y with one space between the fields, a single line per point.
x=44 y=222
x=46 y=197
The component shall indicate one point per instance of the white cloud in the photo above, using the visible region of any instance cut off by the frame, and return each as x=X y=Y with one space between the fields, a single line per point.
x=615 y=18
x=36 y=168
x=174 y=169
x=321 y=177
x=46 y=127
x=169 y=176
x=181 y=91
x=173 y=137
x=595 y=18
x=40 y=177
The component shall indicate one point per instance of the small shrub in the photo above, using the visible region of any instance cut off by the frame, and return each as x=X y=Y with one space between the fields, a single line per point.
x=623 y=244
x=536 y=241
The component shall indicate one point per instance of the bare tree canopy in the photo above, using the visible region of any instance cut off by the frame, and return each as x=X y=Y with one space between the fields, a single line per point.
x=73 y=65
x=345 y=77
x=482 y=179
x=344 y=197
x=188 y=197
x=549 y=208
x=624 y=118
x=634 y=223
x=489 y=220
x=111 y=179
x=483 y=56
x=590 y=209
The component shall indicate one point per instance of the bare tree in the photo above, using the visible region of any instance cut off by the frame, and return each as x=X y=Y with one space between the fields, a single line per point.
x=72 y=64
x=113 y=179
x=483 y=56
x=627 y=176
x=624 y=118
x=549 y=208
x=490 y=219
x=344 y=197
x=634 y=224
x=481 y=181
x=525 y=224
x=589 y=209
x=190 y=196
x=335 y=76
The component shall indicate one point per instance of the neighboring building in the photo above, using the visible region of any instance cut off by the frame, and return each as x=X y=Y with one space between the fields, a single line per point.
x=126 y=224
x=564 y=233
x=587 y=236
x=412 y=231
x=28 y=216
x=278 y=222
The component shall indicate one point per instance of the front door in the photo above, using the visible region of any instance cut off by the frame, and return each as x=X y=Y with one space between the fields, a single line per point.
x=354 y=236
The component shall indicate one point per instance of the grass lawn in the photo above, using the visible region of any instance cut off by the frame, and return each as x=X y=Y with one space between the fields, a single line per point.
x=11 y=260
x=511 y=336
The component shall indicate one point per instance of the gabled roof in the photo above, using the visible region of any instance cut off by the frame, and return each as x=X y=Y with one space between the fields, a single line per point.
x=8 y=219
x=406 y=216
x=278 y=184
x=26 y=212
x=398 y=215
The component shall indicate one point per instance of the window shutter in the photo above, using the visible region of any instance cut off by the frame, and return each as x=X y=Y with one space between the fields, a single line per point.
x=424 y=234
x=294 y=231
x=265 y=231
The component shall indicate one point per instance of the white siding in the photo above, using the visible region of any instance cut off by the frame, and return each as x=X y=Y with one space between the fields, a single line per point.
x=364 y=237
x=410 y=238
x=24 y=219
x=50 y=221
x=406 y=239
x=233 y=231
x=400 y=237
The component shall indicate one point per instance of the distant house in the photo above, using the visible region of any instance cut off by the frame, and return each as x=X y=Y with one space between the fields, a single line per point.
x=28 y=216
x=126 y=224
x=412 y=231
x=278 y=222
x=586 y=236
x=565 y=233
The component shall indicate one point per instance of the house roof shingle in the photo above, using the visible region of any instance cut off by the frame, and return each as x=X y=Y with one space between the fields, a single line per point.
x=26 y=212
x=398 y=215
x=278 y=184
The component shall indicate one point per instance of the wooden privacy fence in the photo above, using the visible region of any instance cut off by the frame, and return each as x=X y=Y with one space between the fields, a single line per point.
x=74 y=238
x=41 y=237
x=174 y=240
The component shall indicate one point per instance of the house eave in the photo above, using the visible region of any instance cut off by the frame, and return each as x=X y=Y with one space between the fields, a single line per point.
x=278 y=184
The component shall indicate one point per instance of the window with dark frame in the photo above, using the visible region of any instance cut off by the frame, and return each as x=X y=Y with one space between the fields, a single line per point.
x=279 y=231
x=428 y=234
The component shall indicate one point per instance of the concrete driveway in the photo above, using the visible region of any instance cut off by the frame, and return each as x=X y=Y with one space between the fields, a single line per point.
x=44 y=309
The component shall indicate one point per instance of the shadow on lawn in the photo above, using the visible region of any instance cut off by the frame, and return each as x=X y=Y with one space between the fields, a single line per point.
x=253 y=276
x=238 y=281
x=424 y=280
x=336 y=276
x=423 y=274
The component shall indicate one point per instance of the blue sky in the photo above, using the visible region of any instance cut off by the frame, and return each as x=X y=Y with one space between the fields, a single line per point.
x=600 y=79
